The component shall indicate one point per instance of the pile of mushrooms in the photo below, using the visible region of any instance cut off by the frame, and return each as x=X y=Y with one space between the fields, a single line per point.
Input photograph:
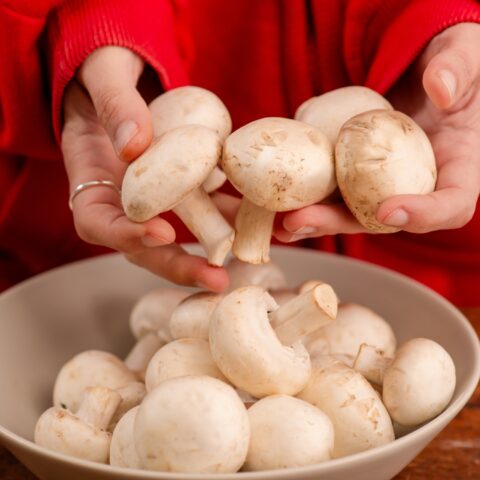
x=237 y=381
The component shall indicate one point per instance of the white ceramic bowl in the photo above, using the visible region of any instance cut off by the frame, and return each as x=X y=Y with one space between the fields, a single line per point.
x=48 y=319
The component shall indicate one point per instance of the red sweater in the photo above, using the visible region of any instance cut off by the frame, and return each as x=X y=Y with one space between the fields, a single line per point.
x=263 y=58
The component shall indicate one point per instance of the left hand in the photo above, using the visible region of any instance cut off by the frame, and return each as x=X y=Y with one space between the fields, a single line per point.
x=447 y=107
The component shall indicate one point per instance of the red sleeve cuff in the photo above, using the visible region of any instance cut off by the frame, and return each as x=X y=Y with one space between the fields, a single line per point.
x=78 y=27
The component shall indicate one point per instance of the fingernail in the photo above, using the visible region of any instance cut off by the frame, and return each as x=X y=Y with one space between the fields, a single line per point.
x=305 y=231
x=450 y=82
x=295 y=238
x=398 y=218
x=150 y=241
x=125 y=132
x=200 y=285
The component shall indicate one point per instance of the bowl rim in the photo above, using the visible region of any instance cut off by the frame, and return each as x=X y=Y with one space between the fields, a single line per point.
x=8 y=437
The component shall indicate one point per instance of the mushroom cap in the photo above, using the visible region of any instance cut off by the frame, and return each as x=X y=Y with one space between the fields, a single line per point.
x=355 y=324
x=122 y=446
x=280 y=164
x=186 y=356
x=331 y=110
x=89 y=369
x=359 y=418
x=246 y=349
x=379 y=154
x=267 y=275
x=419 y=383
x=174 y=165
x=192 y=424
x=191 y=318
x=131 y=395
x=187 y=106
x=287 y=432
x=59 y=430
x=153 y=310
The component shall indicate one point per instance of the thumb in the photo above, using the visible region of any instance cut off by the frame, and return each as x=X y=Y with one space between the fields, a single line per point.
x=451 y=74
x=110 y=75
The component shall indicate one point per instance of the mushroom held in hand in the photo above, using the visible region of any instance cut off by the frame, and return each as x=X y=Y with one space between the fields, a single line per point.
x=418 y=383
x=379 y=154
x=186 y=356
x=169 y=175
x=192 y=424
x=278 y=165
x=287 y=432
x=331 y=110
x=122 y=446
x=359 y=418
x=247 y=349
x=355 y=324
x=82 y=434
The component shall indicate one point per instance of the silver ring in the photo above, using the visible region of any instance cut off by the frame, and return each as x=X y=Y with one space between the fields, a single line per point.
x=92 y=183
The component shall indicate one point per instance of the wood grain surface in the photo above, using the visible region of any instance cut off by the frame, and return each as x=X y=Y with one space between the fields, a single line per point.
x=453 y=454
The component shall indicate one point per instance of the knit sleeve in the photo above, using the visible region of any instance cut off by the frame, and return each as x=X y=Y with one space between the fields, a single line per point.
x=77 y=27
x=382 y=38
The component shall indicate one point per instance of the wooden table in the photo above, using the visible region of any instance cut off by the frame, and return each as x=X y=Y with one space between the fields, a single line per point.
x=453 y=454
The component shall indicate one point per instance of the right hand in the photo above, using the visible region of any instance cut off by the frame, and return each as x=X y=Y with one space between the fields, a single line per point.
x=106 y=119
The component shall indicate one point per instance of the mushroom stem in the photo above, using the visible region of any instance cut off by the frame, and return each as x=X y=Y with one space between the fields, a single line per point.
x=304 y=314
x=98 y=406
x=198 y=212
x=371 y=362
x=253 y=225
x=142 y=352
x=214 y=181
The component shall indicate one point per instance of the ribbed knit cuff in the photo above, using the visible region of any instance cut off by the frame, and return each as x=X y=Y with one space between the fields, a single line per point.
x=78 y=27
x=410 y=32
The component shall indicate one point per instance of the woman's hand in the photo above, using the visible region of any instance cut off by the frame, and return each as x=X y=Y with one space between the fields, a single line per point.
x=441 y=93
x=105 y=120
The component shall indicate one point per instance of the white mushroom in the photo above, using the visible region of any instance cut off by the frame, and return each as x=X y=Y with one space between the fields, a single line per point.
x=192 y=424
x=286 y=432
x=278 y=165
x=131 y=395
x=379 y=154
x=267 y=275
x=122 y=447
x=355 y=324
x=141 y=353
x=191 y=105
x=192 y=316
x=89 y=369
x=82 y=434
x=153 y=310
x=418 y=383
x=359 y=418
x=331 y=110
x=186 y=356
x=247 y=349
x=169 y=175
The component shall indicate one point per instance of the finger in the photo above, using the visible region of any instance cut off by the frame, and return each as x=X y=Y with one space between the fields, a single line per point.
x=110 y=75
x=452 y=205
x=450 y=74
x=315 y=221
x=227 y=205
x=176 y=265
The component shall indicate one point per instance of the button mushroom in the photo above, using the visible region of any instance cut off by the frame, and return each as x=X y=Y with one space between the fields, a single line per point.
x=355 y=324
x=418 y=383
x=246 y=348
x=82 y=434
x=359 y=418
x=331 y=110
x=122 y=446
x=186 y=356
x=192 y=316
x=278 y=165
x=131 y=395
x=287 y=432
x=379 y=154
x=192 y=424
x=169 y=175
